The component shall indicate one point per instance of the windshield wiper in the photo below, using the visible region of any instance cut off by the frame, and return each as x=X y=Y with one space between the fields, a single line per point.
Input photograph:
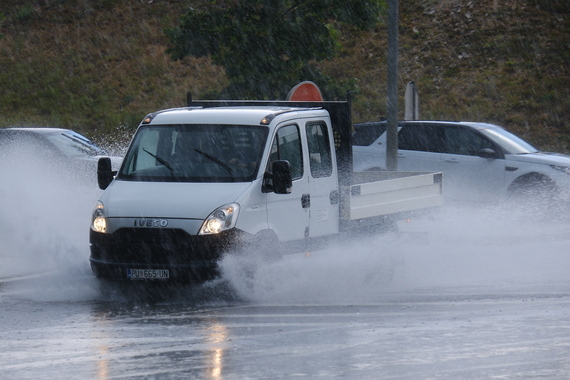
x=217 y=161
x=162 y=161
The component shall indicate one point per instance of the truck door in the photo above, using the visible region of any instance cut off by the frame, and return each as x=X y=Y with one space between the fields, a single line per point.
x=288 y=214
x=323 y=181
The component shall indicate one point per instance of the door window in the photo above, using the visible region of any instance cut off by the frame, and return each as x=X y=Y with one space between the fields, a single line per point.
x=421 y=137
x=319 y=150
x=287 y=146
x=367 y=133
x=465 y=142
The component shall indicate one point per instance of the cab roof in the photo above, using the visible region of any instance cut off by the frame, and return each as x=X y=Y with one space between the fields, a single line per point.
x=250 y=115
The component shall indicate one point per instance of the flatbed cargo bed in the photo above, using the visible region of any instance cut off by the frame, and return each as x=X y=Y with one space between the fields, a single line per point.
x=380 y=193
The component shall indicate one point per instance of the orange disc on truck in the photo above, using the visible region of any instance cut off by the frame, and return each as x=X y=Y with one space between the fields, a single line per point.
x=305 y=92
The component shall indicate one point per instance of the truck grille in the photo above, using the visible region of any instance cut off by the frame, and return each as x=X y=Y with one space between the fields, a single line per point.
x=157 y=246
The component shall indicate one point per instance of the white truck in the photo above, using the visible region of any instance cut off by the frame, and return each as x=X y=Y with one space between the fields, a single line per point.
x=220 y=176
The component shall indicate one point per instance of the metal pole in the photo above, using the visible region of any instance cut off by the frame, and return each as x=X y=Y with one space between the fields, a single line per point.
x=412 y=102
x=392 y=131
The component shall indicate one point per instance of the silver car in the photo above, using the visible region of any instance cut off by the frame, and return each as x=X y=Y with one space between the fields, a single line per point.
x=52 y=142
x=58 y=149
x=479 y=161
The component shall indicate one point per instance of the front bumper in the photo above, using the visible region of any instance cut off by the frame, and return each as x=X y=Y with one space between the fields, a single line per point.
x=188 y=258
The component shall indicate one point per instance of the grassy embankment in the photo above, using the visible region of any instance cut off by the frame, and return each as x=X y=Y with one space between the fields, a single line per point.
x=99 y=66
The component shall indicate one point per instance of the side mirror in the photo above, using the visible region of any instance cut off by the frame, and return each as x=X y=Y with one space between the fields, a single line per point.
x=488 y=153
x=282 y=177
x=104 y=172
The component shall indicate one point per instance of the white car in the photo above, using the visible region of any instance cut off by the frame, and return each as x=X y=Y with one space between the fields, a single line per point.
x=479 y=161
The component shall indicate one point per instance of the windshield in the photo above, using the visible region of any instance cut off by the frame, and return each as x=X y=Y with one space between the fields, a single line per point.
x=195 y=153
x=510 y=143
x=74 y=144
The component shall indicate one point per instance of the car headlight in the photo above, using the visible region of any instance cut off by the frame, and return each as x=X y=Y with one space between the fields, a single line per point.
x=564 y=169
x=221 y=219
x=98 y=221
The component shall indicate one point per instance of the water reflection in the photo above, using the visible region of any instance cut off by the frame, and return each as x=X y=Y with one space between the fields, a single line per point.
x=217 y=334
x=102 y=364
x=171 y=340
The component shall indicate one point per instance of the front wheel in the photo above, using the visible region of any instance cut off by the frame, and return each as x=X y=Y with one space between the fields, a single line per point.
x=536 y=192
x=534 y=187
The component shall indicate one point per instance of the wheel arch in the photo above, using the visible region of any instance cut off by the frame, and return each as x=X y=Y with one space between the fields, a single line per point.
x=531 y=181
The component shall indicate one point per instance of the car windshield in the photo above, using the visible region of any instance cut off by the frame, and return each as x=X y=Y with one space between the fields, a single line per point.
x=195 y=153
x=73 y=144
x=510 y=143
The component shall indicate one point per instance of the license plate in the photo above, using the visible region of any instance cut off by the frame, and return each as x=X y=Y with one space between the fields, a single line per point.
x=148 y=274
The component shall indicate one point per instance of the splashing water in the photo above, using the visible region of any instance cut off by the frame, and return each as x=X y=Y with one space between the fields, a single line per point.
x=457 y=250
x=46 y=210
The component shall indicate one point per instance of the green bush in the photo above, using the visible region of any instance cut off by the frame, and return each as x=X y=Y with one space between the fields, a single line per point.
x=24 y=14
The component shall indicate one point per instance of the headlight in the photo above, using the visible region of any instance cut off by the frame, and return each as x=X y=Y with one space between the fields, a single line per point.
x=564 y=169
x=98 y=221
x=221 y=219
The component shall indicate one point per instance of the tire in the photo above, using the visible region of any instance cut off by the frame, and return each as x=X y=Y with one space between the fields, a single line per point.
x=533 y=186
x=535 y=192
x=267 y=246
x=264 y=247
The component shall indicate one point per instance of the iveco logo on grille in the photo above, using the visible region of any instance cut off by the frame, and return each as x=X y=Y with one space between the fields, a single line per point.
x=153 y=223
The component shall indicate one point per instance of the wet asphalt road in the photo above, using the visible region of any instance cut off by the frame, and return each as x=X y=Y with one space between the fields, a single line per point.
x=418 y=336
x=470 y=298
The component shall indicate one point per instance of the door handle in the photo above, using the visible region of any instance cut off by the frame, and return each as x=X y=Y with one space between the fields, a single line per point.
x=306 y=200
x=334 y=197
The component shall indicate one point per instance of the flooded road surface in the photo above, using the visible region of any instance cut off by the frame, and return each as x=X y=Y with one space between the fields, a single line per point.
x=472 y=296
x=405 y=337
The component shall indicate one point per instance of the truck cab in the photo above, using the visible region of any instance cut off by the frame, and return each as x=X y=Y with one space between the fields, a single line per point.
x=196 y=182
